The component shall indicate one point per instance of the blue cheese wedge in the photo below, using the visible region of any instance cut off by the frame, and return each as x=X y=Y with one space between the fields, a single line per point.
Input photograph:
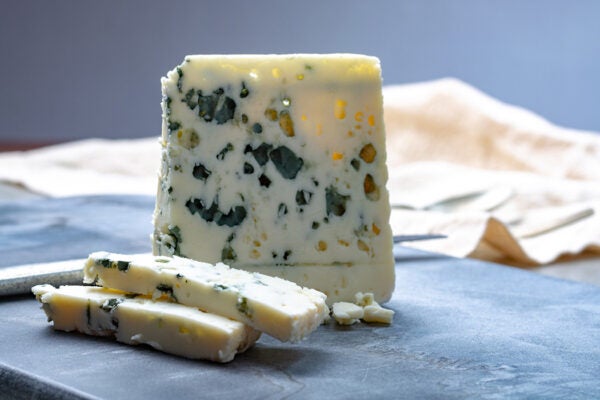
x=276 y=164
x=169 y=327
x=271 y=305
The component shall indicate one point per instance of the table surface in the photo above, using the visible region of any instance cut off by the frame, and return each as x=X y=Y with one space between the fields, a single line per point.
x=462 y=329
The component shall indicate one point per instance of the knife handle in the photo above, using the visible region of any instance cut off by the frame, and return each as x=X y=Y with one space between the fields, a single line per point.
x=20 y=279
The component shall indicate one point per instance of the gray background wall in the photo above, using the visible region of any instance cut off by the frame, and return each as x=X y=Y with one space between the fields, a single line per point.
x=82 y=68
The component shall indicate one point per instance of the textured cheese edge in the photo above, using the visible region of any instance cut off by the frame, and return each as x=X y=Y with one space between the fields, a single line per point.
x=348 y=279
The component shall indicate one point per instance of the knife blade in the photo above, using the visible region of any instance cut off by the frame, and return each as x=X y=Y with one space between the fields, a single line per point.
x=20 y=279
x=417 y=237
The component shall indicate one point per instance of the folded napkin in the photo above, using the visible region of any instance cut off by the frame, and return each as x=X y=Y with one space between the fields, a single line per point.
x=91 y=166
x=502 y=183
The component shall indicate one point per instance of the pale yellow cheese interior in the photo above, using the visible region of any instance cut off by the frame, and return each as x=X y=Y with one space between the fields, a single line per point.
x=276 y=164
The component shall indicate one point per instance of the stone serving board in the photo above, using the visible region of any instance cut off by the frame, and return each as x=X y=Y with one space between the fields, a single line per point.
x=462 y=329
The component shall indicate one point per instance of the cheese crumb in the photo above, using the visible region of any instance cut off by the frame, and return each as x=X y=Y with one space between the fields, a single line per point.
x=364 y=307
x=347 y=313
x=364 y=299
x=376 y=313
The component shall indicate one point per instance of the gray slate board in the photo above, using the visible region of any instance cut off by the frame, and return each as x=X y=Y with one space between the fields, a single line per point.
x=463 y=329
x=44 y=230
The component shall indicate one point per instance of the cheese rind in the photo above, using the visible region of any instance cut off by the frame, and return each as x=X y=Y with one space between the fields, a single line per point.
x=169 y=327
x=274 y=306
x=276 y=164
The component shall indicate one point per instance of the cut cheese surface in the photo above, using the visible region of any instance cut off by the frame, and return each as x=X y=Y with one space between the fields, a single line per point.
x=274 y=306
x=169 y=327
x=276 y=164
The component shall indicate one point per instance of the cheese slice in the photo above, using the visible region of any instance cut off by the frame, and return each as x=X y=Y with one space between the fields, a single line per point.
x=276 y=164
x=274 y=306
x=169 y=327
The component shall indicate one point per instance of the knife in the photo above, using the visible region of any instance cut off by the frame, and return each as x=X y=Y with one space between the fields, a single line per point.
x=20 y=279
x=414 y=238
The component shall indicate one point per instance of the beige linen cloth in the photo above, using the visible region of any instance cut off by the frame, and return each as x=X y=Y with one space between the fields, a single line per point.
x=502 y=183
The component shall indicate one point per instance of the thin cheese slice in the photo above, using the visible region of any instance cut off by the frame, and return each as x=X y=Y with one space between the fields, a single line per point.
x=169 y=327
x=277 y=164
x=274 y=306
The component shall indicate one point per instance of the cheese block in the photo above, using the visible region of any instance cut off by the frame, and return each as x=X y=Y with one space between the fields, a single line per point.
x=169 y=327
x=274 y=306
x=276 y=164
